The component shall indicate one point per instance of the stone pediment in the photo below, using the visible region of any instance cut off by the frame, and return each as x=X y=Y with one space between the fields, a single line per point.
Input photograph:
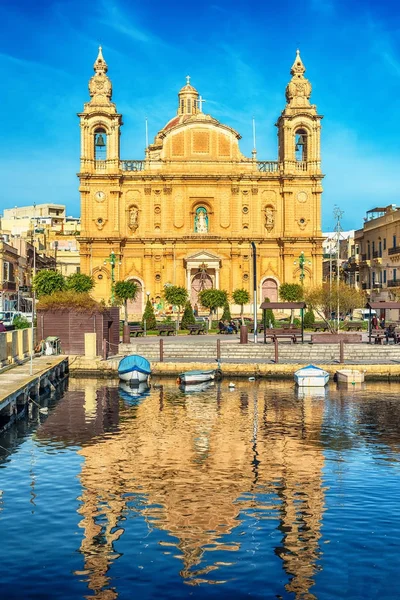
x=203 y=257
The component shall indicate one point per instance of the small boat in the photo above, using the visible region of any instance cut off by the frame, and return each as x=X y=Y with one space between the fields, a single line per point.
x=349 y=376
x=134 y=369
x=311 y=376
x=198 y=376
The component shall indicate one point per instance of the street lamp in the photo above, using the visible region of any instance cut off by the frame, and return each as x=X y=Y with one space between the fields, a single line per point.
x=302 y=261
x=253 y=247
x=112 y=260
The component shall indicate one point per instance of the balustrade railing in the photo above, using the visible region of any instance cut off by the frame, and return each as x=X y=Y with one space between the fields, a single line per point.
x=100 y=165
x=394 y=250
x=393 y=283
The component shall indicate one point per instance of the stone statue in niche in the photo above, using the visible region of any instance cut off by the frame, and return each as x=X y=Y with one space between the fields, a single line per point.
x=133 y=218
x=201 y=220
x=269 y=218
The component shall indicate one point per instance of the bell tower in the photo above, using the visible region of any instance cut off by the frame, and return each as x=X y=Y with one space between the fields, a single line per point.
x=299 y=126
x=100 y=124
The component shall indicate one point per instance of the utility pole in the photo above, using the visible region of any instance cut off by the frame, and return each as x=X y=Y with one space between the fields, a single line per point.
x=338 y=214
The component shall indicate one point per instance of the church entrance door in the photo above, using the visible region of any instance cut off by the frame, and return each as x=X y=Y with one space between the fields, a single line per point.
x=201 y=281
x=135 y=307
x=269 y=290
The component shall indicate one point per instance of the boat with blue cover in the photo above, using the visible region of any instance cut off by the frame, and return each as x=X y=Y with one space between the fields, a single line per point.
x=311 y=376
x=134 y=369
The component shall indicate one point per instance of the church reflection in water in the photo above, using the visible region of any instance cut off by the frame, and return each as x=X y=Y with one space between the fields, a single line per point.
x=195 y=466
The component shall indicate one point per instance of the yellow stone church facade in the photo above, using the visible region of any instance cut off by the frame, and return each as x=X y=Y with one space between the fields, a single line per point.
x=187 y=213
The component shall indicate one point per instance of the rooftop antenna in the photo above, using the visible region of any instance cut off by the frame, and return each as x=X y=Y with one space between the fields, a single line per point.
x=254 y=152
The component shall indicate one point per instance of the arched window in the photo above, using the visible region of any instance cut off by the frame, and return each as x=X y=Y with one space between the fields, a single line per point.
x=100 y=144
x=201 y=220
x=189 y=105
x=300 y=149
x=135 y=307
x=269 y=290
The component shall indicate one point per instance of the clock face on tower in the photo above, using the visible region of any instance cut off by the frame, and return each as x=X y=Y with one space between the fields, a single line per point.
x=99 y=196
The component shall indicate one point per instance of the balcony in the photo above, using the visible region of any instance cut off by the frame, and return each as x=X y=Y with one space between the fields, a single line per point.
x=394 y=250
x=375 y=254
x=132 y=165
x=363 y=257
x=365 y=286
x=377 y=285
x=8 y=286
x=393 y=283
x=268 y=166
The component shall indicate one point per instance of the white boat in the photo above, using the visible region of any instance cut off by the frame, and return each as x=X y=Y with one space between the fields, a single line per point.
x=311 y=376
x=134 y=369
x=198 y=376
x=349 y=376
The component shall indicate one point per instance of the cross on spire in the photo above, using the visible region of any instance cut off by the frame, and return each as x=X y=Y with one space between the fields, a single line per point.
x=187 y=79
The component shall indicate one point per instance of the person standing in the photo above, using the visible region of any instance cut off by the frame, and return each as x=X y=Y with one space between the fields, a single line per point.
x=2 y=326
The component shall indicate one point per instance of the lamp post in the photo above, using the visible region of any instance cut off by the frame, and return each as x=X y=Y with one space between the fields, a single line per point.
x=112 y=260
x=301 y=262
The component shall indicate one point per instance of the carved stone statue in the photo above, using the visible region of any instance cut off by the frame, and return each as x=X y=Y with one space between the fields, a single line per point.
x=133 y=218
x=269 y=218
x=201 y=221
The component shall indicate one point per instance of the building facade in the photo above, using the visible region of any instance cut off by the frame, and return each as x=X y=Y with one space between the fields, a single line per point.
x=187 y=213
x=377 y=253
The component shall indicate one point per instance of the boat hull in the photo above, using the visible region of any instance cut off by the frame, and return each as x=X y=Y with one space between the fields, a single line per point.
x=311 y=376
x=350 y=376
x=134 y=377
x=196 y=377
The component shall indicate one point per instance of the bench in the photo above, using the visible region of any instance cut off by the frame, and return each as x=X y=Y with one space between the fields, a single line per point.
x=168 y=329
x=260 y=328
x=336 y=338
x=353 y=326
x=378 y=337
x=320 y=326
x=197 y=328
x=136 y=330
x=292 y=334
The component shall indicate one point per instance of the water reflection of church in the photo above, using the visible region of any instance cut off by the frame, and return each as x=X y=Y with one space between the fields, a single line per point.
x=196 y=199
x=195 y=470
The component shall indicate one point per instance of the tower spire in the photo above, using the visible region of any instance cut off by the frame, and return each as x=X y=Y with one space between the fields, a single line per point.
x=298 y=90
x=100 y=88
x=100 y=66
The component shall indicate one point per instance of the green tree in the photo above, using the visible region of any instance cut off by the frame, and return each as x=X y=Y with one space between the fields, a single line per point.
x=241 y=296
x=226 y=315
x=269 y=316
x=309 y=318
x=291 y=292
x=47 y=282
x=149 y=316
x=20 y=322
x=321 y=299
x=177 y=296
x=188 y=316
x=213 y=299
x=79 y=282
x=124 y=291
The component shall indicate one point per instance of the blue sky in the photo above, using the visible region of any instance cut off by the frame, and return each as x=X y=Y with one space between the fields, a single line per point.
x=239 y=56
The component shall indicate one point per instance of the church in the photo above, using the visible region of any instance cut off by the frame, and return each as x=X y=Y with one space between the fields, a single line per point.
x=187 y=212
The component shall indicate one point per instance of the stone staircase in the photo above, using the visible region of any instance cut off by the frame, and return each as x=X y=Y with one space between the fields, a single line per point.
x=197 y=351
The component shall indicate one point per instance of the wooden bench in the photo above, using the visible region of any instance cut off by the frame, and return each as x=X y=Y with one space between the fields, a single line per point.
x=168 y=329
x=291 y=334
x=378 y=337
x=197 y=328
x=260 y=328
x=320 y=326
x=336 y=338
x=136 y=330
x=353 y=326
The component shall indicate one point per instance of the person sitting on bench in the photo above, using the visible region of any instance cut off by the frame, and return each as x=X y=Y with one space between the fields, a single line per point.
x=221 y=326
x=390 y=333
x=233 y=325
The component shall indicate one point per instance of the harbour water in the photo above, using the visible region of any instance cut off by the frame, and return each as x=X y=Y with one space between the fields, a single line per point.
x=255 y=492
